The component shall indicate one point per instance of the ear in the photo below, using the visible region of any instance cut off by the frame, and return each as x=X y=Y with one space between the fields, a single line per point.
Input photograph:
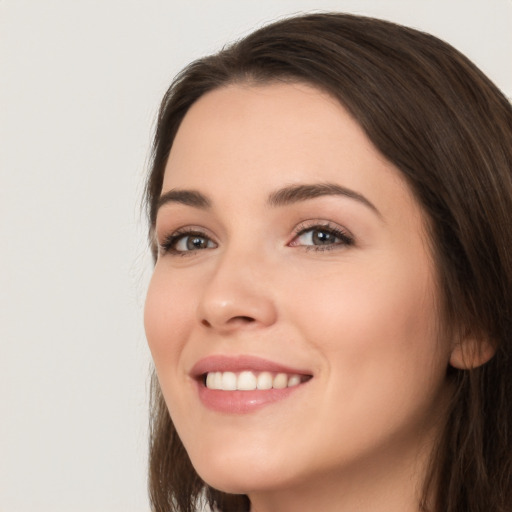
x=471 y=352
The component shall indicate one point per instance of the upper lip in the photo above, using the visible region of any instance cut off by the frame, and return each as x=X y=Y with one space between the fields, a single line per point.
x=223 y=363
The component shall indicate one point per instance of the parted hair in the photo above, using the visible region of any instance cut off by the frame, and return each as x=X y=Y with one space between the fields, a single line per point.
x=448 y=129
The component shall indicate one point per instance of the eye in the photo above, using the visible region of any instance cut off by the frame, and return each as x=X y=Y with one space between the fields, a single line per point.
x=322 y=237
x=186 y=242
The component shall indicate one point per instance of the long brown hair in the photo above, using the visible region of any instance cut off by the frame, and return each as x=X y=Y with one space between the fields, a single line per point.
x=448 y=129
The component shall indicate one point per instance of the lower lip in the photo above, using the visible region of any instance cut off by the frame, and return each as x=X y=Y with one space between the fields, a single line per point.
x=241 y=402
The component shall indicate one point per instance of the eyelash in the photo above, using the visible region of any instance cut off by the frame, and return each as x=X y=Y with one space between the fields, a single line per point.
x=169 y=243
x=168 y=246
x=346 y=239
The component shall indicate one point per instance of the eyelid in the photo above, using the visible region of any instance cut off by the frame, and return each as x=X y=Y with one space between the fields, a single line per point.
x=166 y=241
x=339 y=231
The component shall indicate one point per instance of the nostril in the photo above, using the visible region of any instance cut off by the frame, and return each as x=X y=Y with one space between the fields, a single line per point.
x=243 y=319
x=229 y=323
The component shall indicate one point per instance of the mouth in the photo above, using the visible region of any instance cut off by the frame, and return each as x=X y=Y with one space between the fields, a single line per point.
x=243 y=384
x=248 y=380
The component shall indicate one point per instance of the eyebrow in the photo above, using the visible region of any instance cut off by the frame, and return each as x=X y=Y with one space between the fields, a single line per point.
x=282 y=197
x=296 y=193
x=186 y=197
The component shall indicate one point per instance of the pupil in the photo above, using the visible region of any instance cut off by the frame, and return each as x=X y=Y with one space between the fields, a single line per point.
x=196 y=242
x=322 y=237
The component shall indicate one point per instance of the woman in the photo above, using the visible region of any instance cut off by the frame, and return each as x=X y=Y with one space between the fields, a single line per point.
x=329 y=314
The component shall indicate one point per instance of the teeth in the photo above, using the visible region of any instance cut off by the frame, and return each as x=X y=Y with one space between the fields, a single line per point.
x=210 y=381
x=280 y=381
x=229 y=381
x=249 y=381
x=265 y=380
x=294 y=380
x=246 y=381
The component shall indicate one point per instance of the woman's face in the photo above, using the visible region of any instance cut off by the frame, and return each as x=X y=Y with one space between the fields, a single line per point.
x=293 y=256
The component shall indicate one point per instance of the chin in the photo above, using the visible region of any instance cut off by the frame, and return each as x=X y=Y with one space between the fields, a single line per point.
x=243 y=474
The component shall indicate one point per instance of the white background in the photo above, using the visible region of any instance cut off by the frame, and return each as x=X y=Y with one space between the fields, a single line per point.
x=80 y=83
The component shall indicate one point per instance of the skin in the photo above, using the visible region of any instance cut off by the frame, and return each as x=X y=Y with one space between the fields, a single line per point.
x=360 y=317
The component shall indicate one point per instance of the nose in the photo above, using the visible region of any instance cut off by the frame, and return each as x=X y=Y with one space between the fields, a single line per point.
x=237 y=296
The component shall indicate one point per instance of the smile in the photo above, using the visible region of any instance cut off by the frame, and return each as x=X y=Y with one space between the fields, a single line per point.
x=243 y=384
x=250 y=381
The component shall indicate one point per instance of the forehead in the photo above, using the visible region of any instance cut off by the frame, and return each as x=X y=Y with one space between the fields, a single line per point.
x=254 y=138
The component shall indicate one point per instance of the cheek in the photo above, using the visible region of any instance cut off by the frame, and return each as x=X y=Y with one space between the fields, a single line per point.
x=166 y=319
x=382 y=359
x=375 y=322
